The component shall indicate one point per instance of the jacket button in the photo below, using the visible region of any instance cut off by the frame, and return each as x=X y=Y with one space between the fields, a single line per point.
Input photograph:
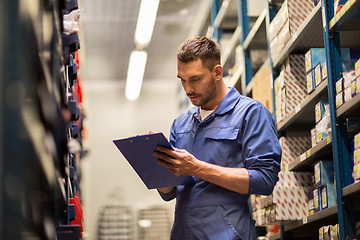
x=250 y=174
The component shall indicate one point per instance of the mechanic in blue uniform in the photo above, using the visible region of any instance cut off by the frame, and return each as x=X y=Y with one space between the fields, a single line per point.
x=227 y=142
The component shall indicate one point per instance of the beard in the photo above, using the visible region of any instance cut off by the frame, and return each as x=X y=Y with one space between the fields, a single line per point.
x=202 y=99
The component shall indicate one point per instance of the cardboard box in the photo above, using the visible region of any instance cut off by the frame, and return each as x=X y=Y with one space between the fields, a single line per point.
x=317 y=200
x=328 y=197
x=357 y=68
x=339 y=85
x=320 y=108
x=339 y=99
x=324 y=71
x=293 y=147
x=324 y=173
x=348 y=78
x=294 y=179
x=310 y=81
x=318 y=74
x=356 y=171
x=353 y=87
x=357 y=141
x=313 y=137
x=261 y=90
x=334 y=232
x=320 y=136
x=347 y=94
x=313 y=57
x=358 y=85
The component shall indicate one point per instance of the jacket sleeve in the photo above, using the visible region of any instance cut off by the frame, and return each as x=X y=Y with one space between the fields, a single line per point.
x=172 y=194
x=261 y=149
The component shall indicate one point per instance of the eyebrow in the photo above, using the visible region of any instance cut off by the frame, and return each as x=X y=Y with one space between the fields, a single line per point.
x=192 y=77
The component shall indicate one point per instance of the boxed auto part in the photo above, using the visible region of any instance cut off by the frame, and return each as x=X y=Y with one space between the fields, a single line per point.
x=324 y=173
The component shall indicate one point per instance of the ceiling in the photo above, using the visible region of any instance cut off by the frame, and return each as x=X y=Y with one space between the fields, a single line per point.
x=107 y=31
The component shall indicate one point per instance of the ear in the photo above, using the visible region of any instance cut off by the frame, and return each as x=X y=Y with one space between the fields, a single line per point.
x=218 y=71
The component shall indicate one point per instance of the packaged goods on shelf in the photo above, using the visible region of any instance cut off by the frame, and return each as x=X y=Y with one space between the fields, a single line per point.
x=290 y=86
x=334 y=232
x=311 y=205
x=310 y=81
x=313 y=137
x=338 y=4
x=353 y=87
x=347 y=94
x=328 y=198
x=348 y=78
x=286 y=23
x=339 y=85
x=318 y=75
x=291 y=203
x=324 y=173
x=324 y=233
x=320 y=108
x=324 y=71
x=357 y=68
x=358 y=85
x=293 y=147
x=356 y=171
x=317 y=200
x=313 y=57
x=339 y=99
x=357 y=141
x=294 y=179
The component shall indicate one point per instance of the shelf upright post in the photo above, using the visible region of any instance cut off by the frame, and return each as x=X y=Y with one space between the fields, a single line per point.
x=243 y=20
x=339 y=131
x=271 y=12
x=216 y=35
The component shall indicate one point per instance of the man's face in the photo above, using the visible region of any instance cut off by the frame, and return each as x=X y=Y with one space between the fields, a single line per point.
x=198 y=83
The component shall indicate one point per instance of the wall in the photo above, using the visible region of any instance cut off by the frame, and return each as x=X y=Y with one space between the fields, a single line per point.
x=112 y=116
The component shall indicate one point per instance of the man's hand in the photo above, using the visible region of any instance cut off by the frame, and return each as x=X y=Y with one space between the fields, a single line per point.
x=179 y=161
x=182 y=163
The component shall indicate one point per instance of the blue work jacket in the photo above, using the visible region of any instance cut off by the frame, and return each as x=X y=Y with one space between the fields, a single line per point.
x=239 y=133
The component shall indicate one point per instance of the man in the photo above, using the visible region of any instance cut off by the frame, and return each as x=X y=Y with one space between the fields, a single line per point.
x=227 y=142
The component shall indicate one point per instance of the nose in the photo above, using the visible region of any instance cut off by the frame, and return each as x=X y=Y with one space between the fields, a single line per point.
x=188 y=87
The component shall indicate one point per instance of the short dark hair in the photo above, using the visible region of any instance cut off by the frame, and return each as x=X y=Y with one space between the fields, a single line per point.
x=200 y=48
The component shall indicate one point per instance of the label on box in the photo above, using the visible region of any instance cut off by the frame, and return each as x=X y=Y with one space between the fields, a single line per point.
x=357 y=141
x=347 y=94
x=358 y=85
x=339 y=86
x=339 y=99
x=357 y=156
x=324 y=197
x=313 y=137
x=324 y=71
x=353 y=87
x=309 y=82
x=357 y=68
x=318 y=77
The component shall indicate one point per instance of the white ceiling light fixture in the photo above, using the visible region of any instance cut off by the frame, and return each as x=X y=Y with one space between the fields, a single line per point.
x=135 y=74
x=145 y=22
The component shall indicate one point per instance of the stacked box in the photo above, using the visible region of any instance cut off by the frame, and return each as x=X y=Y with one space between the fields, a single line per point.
x=318 y=74
x=320 y=109
x=328 y=198
x=293 y=147
x=313 y=134
x=324 y=173
x=294 y=179
x=317 y=200
x=286 y=23
x=356 y=157
x=290 y=86
x=334 y=232
x=339 y=99
x=357 y=72
x=314 y=57
x=310 y=81
x=291 y=203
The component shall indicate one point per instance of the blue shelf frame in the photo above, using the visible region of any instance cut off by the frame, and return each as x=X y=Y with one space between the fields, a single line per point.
x=341 y=150
x=243 y=20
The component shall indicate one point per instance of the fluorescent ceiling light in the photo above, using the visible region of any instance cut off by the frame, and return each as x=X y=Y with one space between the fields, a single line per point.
x=145 y=22
x=135 y=74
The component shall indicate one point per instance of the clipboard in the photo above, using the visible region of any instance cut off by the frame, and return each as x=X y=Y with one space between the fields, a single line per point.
x=138 y=151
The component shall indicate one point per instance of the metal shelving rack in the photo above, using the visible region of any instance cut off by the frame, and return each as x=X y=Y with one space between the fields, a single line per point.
x=335 y=32
x=35 y=185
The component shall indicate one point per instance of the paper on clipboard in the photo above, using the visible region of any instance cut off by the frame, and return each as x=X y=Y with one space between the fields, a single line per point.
x=138 y=151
